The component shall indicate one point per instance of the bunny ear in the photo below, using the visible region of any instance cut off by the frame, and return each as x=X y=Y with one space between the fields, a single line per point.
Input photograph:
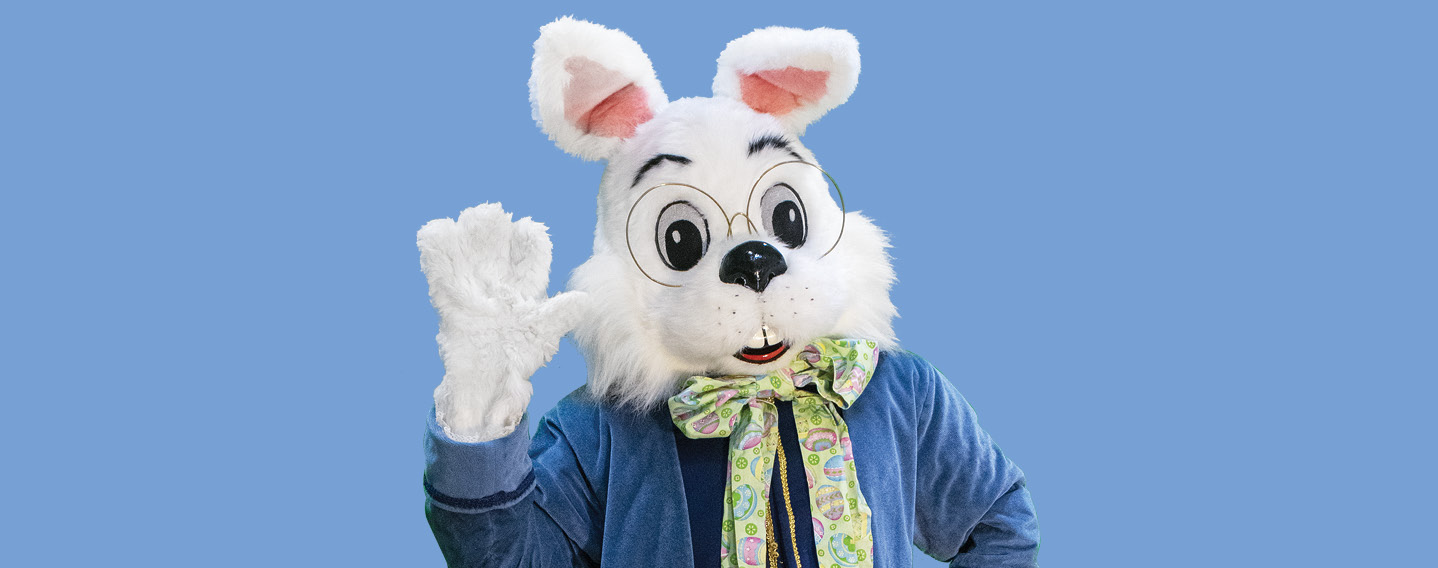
x=796 y=75
x=591 y=87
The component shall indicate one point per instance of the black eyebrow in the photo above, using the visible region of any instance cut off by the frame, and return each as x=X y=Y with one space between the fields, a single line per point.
x=772 y=141
x=681 y=160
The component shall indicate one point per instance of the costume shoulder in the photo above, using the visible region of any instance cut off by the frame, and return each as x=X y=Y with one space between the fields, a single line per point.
x=589 y=426
x=579 y=419
x=903 y=362
x=904 y=377
x=578 y=407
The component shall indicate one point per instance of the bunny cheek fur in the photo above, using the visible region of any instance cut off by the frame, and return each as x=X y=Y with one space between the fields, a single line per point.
x=643 y=338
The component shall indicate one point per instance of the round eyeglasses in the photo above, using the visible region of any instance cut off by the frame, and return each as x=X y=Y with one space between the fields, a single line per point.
x=794 y=203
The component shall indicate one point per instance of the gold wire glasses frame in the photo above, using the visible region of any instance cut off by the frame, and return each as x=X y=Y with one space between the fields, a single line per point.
x=729 y=221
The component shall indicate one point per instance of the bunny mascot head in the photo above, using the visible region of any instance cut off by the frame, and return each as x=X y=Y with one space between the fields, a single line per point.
x=720 y=246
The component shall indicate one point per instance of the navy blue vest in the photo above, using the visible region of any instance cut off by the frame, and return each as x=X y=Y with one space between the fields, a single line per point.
x=704 y=463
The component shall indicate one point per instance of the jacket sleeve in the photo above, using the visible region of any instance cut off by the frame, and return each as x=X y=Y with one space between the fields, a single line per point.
x=507 y=502
x=972 y=507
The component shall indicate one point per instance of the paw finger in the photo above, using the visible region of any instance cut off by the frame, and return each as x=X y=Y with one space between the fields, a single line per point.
x=529 y=253
x=558 y=315
x=435 y=240
x=486 y=236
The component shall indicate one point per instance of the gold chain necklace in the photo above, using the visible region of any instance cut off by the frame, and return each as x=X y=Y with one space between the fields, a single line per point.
x=788 y=507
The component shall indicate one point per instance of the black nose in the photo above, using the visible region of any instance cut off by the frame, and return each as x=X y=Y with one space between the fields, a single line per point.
x=752 y=265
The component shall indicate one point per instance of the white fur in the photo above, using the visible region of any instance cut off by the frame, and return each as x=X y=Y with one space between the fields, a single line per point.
x=558 y=42
x=822 y=49
x=487 y=279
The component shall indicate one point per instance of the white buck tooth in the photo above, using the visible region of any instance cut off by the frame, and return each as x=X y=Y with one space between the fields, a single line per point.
x=763 y=338
x=760 y=339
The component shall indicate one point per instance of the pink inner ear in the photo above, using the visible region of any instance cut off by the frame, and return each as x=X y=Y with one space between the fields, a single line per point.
x=618 y=115
x=603 y=102
x=780 y=91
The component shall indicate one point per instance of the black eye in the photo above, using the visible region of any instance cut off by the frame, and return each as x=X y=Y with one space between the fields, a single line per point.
x=682 y=235
x=784 y=216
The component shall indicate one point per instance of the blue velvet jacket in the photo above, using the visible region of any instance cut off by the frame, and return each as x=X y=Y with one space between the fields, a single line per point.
x=598 y=485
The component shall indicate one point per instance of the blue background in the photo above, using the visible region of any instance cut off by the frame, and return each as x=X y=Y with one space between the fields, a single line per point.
x=1181 y=260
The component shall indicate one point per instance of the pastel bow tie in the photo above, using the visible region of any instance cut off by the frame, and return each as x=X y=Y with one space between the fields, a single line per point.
x=826 y=376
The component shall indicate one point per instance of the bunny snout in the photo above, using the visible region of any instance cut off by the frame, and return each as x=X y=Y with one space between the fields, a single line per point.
x=752 y=265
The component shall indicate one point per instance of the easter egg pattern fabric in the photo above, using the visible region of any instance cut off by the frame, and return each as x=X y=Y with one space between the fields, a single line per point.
x=835 y=469
x=744 y=502
x=843 y=549
x=838 y=370
x=830 y=502
x=751 y=551
x=820 y=439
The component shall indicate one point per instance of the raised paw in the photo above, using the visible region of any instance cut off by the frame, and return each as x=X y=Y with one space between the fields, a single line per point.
x=487 y=278
x=484 y=257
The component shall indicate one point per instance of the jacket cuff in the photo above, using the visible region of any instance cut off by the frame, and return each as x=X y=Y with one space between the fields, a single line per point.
x=477 y=477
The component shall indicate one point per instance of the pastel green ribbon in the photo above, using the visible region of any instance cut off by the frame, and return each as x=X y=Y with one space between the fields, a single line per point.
x=742 y=408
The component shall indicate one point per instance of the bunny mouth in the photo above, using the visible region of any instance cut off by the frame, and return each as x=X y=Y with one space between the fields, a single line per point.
x=764 y=347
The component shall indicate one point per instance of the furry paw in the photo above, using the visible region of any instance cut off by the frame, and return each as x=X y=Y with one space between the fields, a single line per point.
x=483 y=257
x=487 y=279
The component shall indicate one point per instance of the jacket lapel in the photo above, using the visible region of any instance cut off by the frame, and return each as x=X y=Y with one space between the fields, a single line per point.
x=646 y=514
